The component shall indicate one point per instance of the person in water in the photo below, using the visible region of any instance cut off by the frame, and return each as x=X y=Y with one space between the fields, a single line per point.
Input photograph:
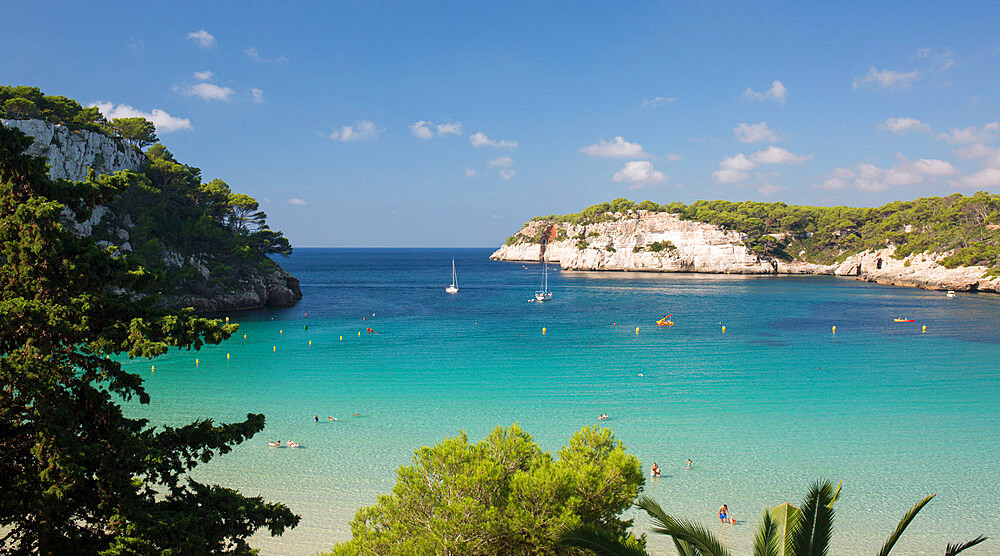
x=688 y=463
x=724 y=514
x=316 y=417
x=654 y=471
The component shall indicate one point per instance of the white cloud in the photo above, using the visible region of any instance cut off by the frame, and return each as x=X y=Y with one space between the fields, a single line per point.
x=258 y=95
x=420 y=130
x=986 y=177
x=989 y=156
x=902 y=126
x=164 y=122
x=207 y=91
x=768 y=189
x=479 y=139
x=362 y=130
x=507 y=174
x=734 y=168
x=777 y=155
x=673 y=157
x=616 y=148
x=754 y=133
x=203 y=75
x=777 y=92
x=450 y=128
x=869 y=177
x=296 y=201
x=503 y=161
x=886 y=79
x=203 y=38
x=470 y=173
x=972 y=134
x=657 y=101
x=255 y=55
x=640 y=173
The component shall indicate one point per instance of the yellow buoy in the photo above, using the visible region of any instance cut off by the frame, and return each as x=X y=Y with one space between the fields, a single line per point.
x=636 y=329
x=244 y=336
x=195 y=362
x=924 y=329
x=152 y=367
x=341 y=338
x=359 y=333
x=227 y=320
x=723 y=329
x=281 y=332
x=227 y=356
x=310 y=342
x=835 y=329
x=543 y=330
x=275 y=348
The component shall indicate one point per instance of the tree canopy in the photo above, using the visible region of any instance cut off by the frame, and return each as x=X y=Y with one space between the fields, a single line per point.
x=80 y=476
x=502 y=495
x=138 y=132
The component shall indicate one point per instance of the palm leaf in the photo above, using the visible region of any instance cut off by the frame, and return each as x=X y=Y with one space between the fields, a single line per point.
x=954 y=549
x=836 y=495
x=600 y=541
x=694 y=538
x=907 y=518
x=786 y=518
x=765 y=542
x=812 y=537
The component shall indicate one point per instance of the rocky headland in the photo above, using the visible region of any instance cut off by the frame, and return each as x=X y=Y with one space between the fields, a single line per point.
x=643 y=241
x=72 y=153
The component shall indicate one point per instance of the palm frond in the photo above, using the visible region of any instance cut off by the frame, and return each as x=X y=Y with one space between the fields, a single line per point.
x=812 y=537
x=907 y=518
x=685 y=548
x=600 y=541
x=765 y=541
x=836 y=495
x=954 y=549
x=695 y=539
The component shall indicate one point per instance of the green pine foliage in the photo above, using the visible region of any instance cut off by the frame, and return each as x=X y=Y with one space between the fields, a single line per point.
x=967 y=225
x=502 y=495
x=20 y=103
x=79 y=475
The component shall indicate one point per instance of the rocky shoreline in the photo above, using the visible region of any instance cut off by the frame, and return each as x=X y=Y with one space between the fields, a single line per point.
x=626 y=244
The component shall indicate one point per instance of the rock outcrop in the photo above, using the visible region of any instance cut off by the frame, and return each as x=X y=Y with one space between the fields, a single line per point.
x=71 y=153
x=662 y=242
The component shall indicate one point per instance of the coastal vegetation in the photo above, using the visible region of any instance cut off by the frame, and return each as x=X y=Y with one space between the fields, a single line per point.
x=81 y=476
x=502 y=495
x=784 y=530
x=195 y=237
x=965 y=228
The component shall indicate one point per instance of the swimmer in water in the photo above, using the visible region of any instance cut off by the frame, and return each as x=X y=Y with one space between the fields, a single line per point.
x=332 y=418
x=316 y=417
x=724 y=514
x=357 y=414
x=688 y=463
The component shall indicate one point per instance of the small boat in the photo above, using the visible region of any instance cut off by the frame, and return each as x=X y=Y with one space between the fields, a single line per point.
x=291 y=444
x=273 y=444
x=665 y=321
x=453 y=288
x=951 y=293
x=898 y=319
x=544 y=294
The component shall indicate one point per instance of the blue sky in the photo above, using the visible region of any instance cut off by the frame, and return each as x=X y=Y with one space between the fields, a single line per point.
x=450 y=124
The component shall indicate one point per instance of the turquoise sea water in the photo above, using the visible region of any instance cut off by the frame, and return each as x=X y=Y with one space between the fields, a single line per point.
x=774 y=403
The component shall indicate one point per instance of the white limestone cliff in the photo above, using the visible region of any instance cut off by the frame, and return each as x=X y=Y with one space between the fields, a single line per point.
x=71 y=153
x=624 y=244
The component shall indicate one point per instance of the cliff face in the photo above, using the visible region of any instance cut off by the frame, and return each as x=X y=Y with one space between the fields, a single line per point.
x=71 y=153
x=628 y=243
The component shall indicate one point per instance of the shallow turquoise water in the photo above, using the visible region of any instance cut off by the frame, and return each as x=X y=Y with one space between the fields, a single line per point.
x=774 y=403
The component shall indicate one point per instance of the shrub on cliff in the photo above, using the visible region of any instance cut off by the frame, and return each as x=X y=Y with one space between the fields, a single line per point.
x=81 y=477
x=502 y=495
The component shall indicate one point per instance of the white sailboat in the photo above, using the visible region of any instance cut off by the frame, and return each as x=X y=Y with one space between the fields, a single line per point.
x=544 y=294
x=453 y=288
